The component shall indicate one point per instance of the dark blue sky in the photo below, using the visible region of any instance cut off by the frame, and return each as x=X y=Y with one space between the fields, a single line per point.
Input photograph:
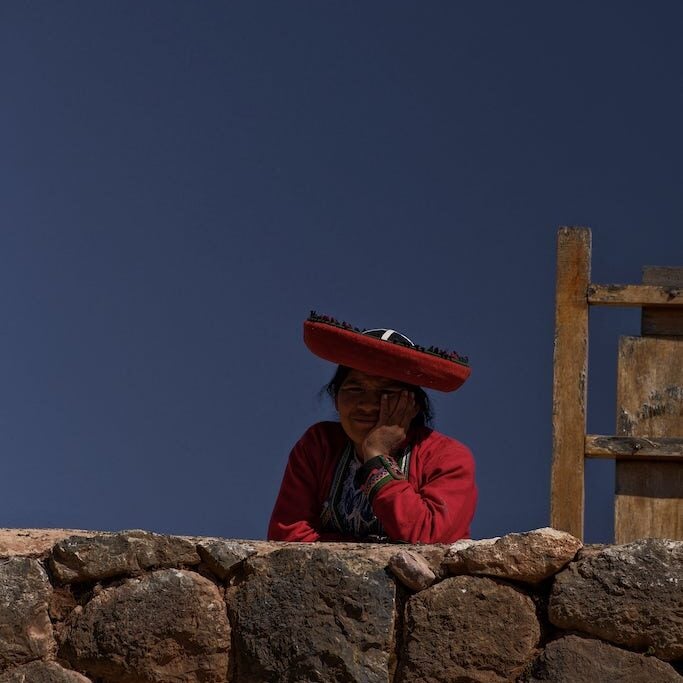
x=182 y=182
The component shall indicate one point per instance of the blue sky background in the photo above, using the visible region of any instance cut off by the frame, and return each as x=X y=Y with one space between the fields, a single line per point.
x=182 y=182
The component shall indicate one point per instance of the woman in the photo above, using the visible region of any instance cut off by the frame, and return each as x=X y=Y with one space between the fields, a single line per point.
x=380 y=473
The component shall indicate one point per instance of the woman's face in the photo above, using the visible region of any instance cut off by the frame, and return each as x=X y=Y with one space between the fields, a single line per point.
x=358 y=401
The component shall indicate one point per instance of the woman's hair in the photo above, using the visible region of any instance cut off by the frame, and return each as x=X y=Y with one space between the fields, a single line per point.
x=422 y=419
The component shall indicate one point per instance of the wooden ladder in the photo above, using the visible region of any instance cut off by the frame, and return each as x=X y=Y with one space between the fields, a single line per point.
x=648 y=446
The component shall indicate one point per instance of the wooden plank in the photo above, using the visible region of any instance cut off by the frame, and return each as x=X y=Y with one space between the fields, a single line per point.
x=658 y=321
x=570 y=365
x=670 y=276
x=649 y=495
x=634 y=295
x=633 y=448
x=662 y=321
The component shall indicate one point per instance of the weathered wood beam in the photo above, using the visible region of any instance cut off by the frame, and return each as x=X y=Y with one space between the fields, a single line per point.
x=649 y=494
x=570 y=366
x=634 y=295
x=662 y=321
x=633 y=447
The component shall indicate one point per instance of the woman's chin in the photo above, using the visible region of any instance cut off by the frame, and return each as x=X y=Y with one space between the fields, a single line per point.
x=358 y=431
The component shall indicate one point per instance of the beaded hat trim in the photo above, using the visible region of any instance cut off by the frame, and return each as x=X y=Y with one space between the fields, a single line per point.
x=385 y=352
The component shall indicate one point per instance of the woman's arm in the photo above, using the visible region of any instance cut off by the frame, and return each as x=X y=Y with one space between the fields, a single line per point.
x=440 y=508
x=438 y=505
x=296 y=515
x=297 y=511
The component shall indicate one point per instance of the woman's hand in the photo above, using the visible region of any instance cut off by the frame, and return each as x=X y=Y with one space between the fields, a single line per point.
x=395 y=416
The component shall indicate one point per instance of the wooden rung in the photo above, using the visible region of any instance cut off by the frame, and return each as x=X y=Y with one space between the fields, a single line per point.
x=634 y=295
x=633 y=448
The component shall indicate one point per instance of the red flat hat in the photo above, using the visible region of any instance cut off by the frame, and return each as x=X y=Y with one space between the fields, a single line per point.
x=385 y=353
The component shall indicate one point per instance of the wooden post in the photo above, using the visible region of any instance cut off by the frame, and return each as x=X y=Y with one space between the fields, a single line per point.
x=570 y=380
x=649 y=495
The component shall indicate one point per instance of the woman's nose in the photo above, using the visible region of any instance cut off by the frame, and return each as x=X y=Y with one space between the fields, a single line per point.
x=370 y=400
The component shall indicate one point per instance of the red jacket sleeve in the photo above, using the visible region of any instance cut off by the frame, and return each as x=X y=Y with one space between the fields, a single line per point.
x=297 y=510
x=437 y=506
x=296 y=515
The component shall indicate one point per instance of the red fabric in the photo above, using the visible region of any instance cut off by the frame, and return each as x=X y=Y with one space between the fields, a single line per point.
x=383 y=358
x=434 y=505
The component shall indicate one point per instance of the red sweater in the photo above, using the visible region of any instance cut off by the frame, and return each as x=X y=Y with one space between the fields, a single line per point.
x=435 y=504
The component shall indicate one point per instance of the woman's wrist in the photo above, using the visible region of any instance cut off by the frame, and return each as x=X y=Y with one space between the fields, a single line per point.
x=375 y=473
x=370 y=453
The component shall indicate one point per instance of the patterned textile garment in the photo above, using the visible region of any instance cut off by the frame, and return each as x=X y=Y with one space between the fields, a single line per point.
x=434 y=503
x=347 y=509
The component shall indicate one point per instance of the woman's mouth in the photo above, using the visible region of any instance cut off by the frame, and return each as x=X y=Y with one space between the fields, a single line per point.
x=364 y=419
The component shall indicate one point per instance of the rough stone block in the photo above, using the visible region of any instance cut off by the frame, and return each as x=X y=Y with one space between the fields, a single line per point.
x=412 y=570
x=170 y=625
x=224 y=557
x=314 y=614
x=25 y=629
x=33 y=542
x=84 y=558
x=42 y=672
x=470 y=629
x=582 y=660
x=629 y=595
x=529 y=557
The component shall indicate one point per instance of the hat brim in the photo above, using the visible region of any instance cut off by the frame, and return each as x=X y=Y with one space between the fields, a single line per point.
x=383 y=358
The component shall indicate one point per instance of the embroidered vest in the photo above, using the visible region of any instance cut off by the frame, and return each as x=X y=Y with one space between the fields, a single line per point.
x=347 y=510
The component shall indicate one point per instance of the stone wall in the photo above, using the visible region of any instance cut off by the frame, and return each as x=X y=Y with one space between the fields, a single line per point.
x=136 y=607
